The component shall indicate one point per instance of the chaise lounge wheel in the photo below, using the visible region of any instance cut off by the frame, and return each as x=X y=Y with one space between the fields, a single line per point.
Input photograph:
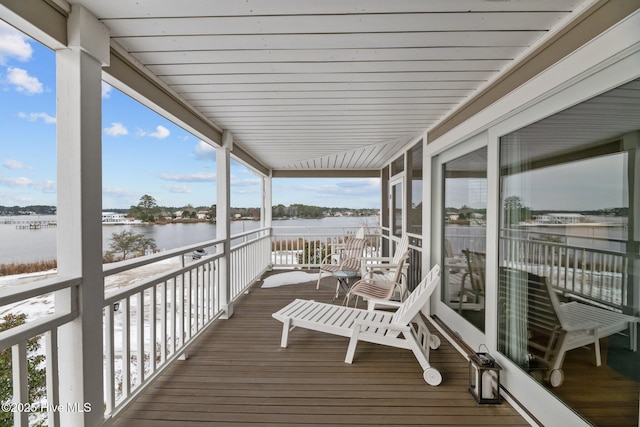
x=556 y=378
x=434 y=342
x=432 y=376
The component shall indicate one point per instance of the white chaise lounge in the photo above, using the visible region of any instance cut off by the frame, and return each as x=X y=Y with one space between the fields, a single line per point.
x=403 y=328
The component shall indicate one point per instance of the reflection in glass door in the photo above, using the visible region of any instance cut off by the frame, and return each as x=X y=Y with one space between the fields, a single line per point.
x=464 y=240
x=396 y=207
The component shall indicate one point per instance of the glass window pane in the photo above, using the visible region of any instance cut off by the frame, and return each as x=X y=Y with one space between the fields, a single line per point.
x=464 y=218
x=415 y=216
x=396 y=201
x=568 y=250
x=397 y=166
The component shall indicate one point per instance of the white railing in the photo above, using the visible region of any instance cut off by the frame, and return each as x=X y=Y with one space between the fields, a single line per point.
x=44 y=331
x=597 y=275
x=249 y=260
x=149 y=320
x=149 y=324
x=306 y=247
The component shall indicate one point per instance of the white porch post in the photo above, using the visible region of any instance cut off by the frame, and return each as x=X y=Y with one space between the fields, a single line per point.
x=267 y=200
x=631 y=143
x=267 y=207
x=223 y=223
x=79 y=244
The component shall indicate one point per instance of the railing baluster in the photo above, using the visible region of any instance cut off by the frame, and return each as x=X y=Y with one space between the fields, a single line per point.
x=152 y=329
x=173 y=314
x=164 y=303
x=140 y=337
x=53 y=377
x=109 y=375
x=188 y=315
x=126 y=360
x=20 y=382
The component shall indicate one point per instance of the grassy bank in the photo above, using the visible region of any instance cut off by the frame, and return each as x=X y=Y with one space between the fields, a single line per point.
x=29 y=267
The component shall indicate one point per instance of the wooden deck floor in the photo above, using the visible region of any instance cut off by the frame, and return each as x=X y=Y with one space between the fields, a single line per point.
x=237 y=374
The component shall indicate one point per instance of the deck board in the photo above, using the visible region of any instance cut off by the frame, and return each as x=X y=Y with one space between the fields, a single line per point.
x=237 y=374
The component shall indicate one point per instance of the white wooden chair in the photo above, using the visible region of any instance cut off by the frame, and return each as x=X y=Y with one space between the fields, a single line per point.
x=378 y=287
x=349 y=258
x=403 y=328
x=385 y=267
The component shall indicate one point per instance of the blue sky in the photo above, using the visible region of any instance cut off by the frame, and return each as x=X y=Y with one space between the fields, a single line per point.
x=143 y=153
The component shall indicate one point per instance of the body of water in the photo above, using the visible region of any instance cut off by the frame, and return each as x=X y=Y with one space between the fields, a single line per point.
x=29 y=245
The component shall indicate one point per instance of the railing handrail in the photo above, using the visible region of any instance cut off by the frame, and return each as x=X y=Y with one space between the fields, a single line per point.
x=249 y=232
x=127 y=291
x=11 y=294
x=566 y=245
x=573 y=236
x=129 y=264
x=26 y=331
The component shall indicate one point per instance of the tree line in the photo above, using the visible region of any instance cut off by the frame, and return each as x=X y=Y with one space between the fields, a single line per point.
x=148 y=210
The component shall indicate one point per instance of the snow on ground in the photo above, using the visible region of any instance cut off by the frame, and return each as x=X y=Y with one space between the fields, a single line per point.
x=289 y=278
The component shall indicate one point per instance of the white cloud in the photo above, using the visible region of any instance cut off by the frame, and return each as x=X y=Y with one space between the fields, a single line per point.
x=16 y=182
x=106 y=90
x=23 y=81
x=160 y=133
x=14 y=164
x=245 y=182
x=193 y=177
x=116 y=191
x=48 y=187
x=178 y=189
x=32 y=117
x=205 y=151
x=116 y=129
x=13 y=44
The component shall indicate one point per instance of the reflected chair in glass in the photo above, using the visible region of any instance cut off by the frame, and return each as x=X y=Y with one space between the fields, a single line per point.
x=553 y=328
x=472 y=297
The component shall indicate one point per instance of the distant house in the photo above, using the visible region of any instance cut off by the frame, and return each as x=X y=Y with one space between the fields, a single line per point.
x=202 y=214
x=113 y=218
x=560 y=218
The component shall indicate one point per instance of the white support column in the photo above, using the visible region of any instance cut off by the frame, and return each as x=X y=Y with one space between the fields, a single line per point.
x=79 y=244
x=631 y=143
x=267 y=200
x=267 y=205
x=223 y=222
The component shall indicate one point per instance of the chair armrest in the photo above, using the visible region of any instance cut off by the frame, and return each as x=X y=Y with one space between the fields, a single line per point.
x=372 y=302
x=380 y=266
x=381 y=259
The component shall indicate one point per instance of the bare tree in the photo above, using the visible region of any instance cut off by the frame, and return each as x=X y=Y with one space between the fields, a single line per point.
x=128 y=242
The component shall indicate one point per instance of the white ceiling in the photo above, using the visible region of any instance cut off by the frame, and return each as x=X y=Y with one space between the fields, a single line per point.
x=328 y=84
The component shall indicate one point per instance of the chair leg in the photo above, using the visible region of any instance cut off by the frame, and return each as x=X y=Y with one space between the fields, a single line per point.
x=353 y=342
x=285 y=332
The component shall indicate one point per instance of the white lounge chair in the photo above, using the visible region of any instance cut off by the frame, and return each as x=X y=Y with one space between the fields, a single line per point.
x=403 y=328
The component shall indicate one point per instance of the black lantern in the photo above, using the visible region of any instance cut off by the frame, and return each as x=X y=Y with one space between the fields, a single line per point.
x=484 y=378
